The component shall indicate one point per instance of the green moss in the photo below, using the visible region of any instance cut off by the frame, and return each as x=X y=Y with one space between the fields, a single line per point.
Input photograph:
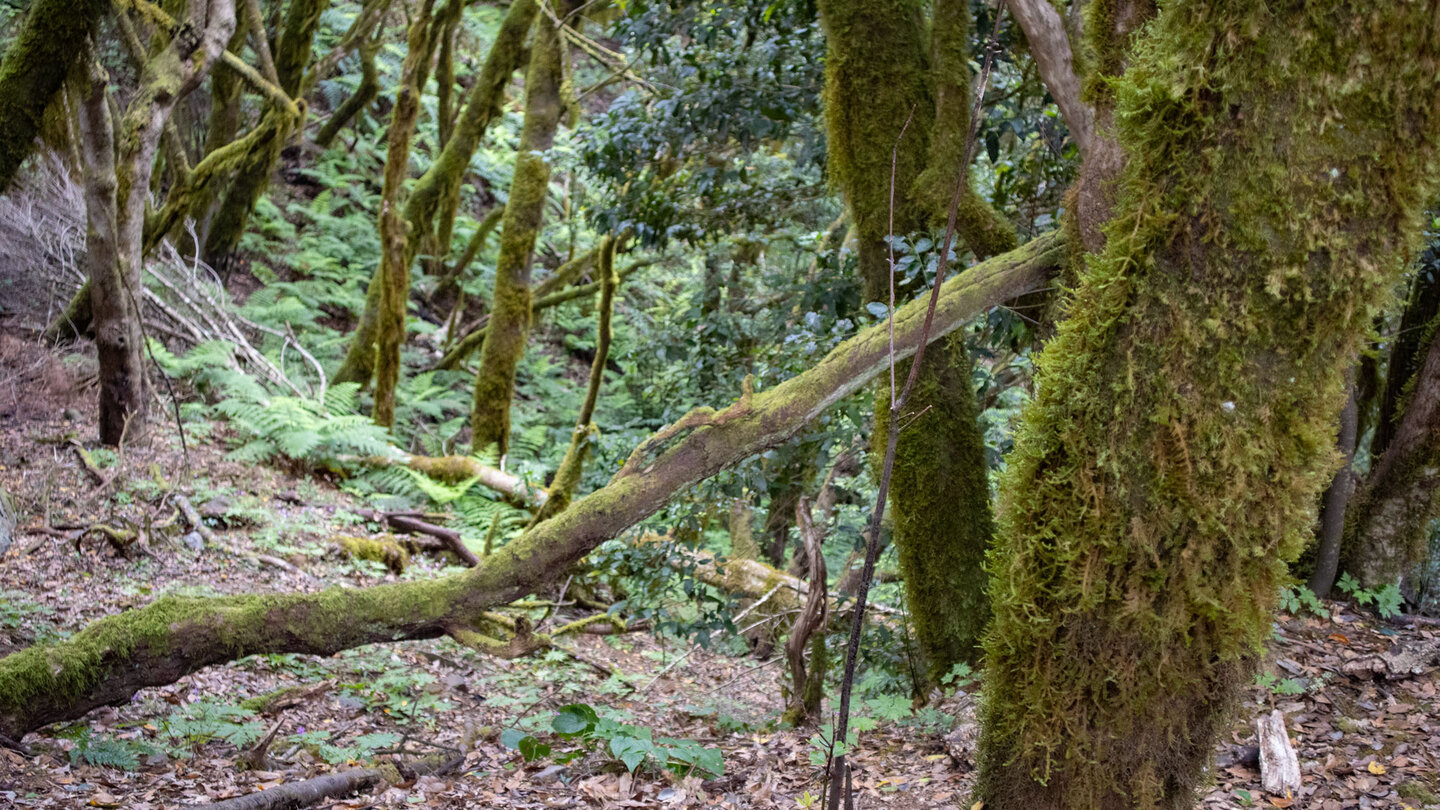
x=1418 y=792
x=438 y=190
x=509 y=326
x=941 y=507
x=1184 y=421
x=383 y=550
x=358 y=101
x=1110 y=30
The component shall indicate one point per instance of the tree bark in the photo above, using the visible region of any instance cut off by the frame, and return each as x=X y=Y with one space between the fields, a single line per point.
x=1050 y=47
x=509 y=328
x=1406 y=355
x=1184 y=421
x=108 y=661
x=1390 y=519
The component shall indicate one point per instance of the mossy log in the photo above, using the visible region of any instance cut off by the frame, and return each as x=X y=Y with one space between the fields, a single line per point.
x=109 y=660
x=1278 y=158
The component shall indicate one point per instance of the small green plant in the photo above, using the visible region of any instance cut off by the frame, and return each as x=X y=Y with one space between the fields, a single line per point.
x=318 y=742
x=631 y=745
x=1280 y=687
x=106 y=751
x=960 y=676
x=1244 y=797
x=205 y=720
x=1298 y=599
x=400 y=693
x=1386 y=600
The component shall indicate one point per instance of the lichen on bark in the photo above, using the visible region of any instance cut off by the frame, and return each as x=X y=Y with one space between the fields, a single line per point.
x=1184 y=421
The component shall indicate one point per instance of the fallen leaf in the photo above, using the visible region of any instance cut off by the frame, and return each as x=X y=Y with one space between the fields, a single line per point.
x=1279 y=802
x=1375 y=768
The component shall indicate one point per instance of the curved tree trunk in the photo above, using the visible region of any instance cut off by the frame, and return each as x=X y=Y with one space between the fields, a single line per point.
x=108 y=661
x=1184 y=420
x=509 y=327
x=1408 y=352
x=353 y=106
x=1337 y=501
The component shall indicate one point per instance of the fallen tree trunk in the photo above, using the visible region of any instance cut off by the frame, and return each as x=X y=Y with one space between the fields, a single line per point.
x=110 y=660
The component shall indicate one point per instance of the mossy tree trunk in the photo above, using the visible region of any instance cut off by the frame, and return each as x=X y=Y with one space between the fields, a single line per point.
x=1407 y=352
x=108 y=661
x=441 y=183
x=1184 y=420
x=252 y=176
x=1388 y=523
x=879 y=74
x=509 y=327
x=34 y=69
x=394 y=258
x=450 y=18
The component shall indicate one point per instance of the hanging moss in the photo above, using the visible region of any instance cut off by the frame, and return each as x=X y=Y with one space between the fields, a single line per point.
x=1184 y=421
x=1110 y=30
x=34 y=69
x=509 y=327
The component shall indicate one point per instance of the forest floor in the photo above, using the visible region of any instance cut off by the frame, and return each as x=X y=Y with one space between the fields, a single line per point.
x=1363 y=741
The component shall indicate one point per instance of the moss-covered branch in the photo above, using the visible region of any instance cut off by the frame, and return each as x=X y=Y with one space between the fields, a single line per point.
x=108 y=661
x=567 y=475
x=34 y=69
x=1184 y=420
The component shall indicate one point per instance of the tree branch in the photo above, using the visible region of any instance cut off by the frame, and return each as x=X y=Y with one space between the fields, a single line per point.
x=1050 y=45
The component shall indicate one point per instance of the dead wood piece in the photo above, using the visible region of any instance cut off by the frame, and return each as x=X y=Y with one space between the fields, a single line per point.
x=410 y=524
x=1406 y=659
x=306 y=793
x=1279 y=767
x=254 y=756
x=192 y=516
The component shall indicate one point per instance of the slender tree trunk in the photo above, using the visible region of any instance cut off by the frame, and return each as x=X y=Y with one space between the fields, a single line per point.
x=449 y=23
x=394 y=258
x=1183 y=426
x=1337 y=500
x=252 y=177
x=879 y=75
x=509 y=328
x=113 y=286
x=356 y=104
x=1408 y=352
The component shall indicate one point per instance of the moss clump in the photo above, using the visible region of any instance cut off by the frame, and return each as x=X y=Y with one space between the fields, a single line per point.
x=1184 y=421
x=1418 y=792
x=384 y=550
